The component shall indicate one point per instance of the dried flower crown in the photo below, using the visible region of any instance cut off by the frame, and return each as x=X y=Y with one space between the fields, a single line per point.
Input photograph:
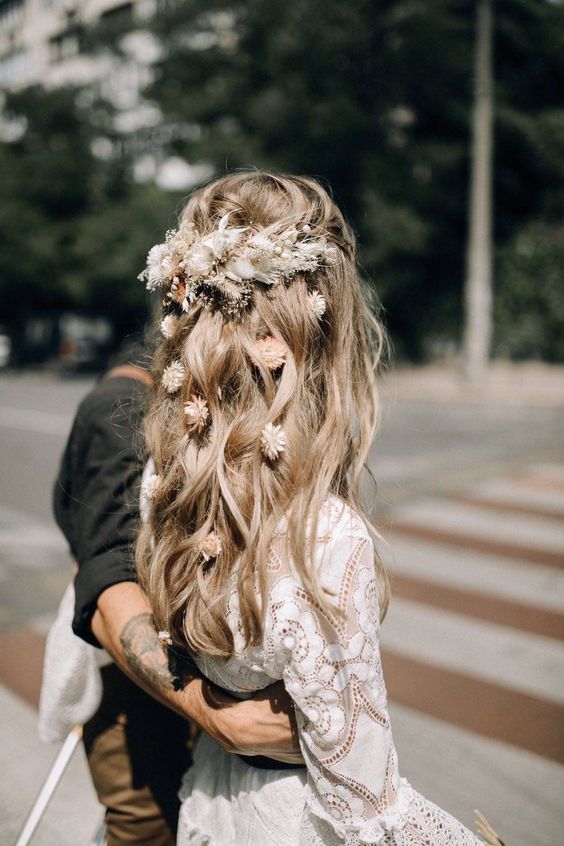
x=217 y=269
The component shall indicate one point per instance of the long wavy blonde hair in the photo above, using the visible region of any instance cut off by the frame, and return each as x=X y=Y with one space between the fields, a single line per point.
x=325 y=397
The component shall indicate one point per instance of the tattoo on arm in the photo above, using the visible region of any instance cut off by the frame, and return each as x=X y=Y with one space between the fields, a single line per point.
x=149 y=661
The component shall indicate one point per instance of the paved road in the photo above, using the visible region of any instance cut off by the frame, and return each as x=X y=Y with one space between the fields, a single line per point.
x=471 y=504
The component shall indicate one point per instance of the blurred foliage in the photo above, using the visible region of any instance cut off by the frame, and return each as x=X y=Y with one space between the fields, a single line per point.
x=372 y=98
x=375 y=99
x=74 y=228
x=529 y=311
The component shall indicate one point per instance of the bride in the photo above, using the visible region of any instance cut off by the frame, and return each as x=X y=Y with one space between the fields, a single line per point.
x=256 y=554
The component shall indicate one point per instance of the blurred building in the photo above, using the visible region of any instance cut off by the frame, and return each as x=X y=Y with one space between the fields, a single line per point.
x=43 y=41
x=49 y=42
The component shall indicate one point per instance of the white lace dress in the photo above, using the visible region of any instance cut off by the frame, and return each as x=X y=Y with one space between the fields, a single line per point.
x=350 y=791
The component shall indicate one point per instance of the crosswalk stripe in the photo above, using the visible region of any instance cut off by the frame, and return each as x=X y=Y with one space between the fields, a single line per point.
x=492 y=575
x=553 y=470
x=499 y=778
x=477 y=705
x=21 y=662
x=442 y=515
x=481 y=606
x=505 y=507
x=512 y=493
x=540 y=482
x=524 y=662
x=475 y=542
x=32 y=420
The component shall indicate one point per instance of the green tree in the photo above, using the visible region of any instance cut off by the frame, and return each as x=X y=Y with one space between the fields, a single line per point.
x=74 y=228
x=375 y=98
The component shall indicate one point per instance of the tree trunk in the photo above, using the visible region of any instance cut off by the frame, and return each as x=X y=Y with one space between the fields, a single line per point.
x=478 y=287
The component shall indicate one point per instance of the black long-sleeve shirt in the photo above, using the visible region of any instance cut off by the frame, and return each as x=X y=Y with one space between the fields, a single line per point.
x=96 y=496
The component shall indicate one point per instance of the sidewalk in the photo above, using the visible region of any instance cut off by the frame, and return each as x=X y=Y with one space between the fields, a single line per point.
x=506 y=383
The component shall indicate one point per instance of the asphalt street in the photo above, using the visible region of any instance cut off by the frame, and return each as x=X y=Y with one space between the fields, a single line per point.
x=471 y=504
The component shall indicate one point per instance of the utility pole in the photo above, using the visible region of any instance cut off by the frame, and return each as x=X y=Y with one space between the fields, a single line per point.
x=478 y=285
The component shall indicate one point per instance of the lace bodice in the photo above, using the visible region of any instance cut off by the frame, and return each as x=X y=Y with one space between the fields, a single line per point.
x=330 y=664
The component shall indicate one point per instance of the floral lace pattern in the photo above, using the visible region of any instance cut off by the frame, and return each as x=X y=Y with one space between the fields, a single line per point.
x=330 y=664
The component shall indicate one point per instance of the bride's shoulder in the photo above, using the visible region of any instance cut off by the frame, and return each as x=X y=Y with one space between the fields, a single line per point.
x=336 y=520
x=334 y=540
x=341 y=520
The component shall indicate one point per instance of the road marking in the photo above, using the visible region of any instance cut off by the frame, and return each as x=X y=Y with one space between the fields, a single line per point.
x=527 y=663
x=21 y=663
x=541 y=483
x=462 y=542
x=442 y=515
x=520 y=793
x=513 y=493
x=33 y=547
x=476 y=705
x=31 y=420
x=493 y=504
x=554 y=471
x=9 y=514
x=28 y=542
x=539 y=586
x=481 y=606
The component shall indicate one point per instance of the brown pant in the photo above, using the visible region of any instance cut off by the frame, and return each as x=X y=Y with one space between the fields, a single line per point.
x=137 y=752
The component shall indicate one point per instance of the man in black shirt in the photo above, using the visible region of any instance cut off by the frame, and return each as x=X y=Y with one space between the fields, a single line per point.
x=137 y=749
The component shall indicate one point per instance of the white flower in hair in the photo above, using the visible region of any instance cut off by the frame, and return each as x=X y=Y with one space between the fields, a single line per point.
x=272 y=441
x=240 y=268
x=173 y=377
x=161 y=264
x=196 y=413
x=200 y=260
x=217 y=269
x=318 y=304
x=272 y=352
x=165 y=637
x=151 y=485
x=169 y=325
x=223 y=240
x=261 y=245
x=211 y=546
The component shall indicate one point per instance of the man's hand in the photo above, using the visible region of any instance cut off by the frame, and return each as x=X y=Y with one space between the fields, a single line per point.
x=263 y=725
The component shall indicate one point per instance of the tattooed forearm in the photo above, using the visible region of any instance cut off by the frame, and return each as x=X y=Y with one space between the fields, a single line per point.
x=148 y=660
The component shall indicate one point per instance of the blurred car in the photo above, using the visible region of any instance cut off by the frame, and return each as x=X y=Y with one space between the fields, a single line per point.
x=5 y=347
x=85 y=343
x=72 y=343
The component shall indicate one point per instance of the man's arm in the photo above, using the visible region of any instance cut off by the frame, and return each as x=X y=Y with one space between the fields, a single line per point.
x=263 y=725
x=96 y=503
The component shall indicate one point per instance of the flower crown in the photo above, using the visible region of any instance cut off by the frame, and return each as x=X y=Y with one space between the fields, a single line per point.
x=217 y=269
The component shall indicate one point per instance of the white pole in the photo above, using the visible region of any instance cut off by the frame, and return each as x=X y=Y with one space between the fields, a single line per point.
x=478 y=287
x=59 y=765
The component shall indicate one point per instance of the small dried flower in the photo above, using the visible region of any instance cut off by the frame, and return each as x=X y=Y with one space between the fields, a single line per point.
x=169 y=325
x=273 y=352
x=151 y=485
x=272 y=441
x=196 y=413
x=318 y=304
x=211 y=546
x=165 y=637
x=173 y=377
x=177 y=291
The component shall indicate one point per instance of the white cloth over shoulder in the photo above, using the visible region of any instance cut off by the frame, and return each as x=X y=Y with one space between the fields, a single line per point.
x=330 y=663
x=71 y=689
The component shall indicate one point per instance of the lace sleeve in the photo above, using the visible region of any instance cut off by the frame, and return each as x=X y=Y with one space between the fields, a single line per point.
x=331 y=667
